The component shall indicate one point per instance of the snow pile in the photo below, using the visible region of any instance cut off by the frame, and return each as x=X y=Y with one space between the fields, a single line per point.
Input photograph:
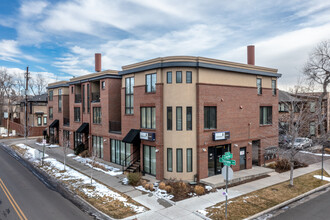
x=159 y=193
x=112 y=171
x=71 y=155
x=41 y=144
x=124 y=181
x=324 y=177
x=31 y=153
x=53 y=146
x=208 y=188
x=81 y=180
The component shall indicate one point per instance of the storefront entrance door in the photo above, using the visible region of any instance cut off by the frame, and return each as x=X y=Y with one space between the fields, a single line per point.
x=214 y=154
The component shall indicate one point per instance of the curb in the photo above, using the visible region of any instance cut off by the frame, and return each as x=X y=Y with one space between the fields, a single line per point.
x=288 y=202
x=57 y=186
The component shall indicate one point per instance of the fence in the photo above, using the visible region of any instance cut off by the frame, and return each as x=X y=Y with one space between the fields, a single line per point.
x=19 y=128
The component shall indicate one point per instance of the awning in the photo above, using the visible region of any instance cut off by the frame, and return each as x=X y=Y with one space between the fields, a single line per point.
x=84 y=128
x=132 y=136
x=54 y=124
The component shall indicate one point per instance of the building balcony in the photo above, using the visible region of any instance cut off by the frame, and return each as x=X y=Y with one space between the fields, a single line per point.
x=95 y=97
x=114 y=127
x=66 y=121
x=77 y=98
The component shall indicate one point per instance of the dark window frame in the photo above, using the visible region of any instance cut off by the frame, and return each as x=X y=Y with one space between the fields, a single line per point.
x=189 y=118
x=177 y=160
x=129 y=92
x=274 y=87
x=152 y=115
x=97 y=115
x=76 y=114
x=88 y=99
x=169 y=119
x=83 y=98
x=189 y=168
x=259 y=86
x=51 y=112
x=177 y=118
x=169 y=153
x=169 y=79
x=39 y=117
x=269 y=115
x=208 y=119
x=177 y=78
x=189 y=79
x=51 y=94
x=150 y=82
x=103 y=84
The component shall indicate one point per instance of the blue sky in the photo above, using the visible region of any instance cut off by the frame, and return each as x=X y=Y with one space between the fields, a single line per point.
x=59 y=38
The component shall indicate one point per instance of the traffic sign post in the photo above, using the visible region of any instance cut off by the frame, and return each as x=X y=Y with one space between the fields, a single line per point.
x=227 y=162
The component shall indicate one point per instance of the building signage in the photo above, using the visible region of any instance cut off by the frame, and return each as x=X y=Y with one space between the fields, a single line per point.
x=149 y=136
x=217 y=136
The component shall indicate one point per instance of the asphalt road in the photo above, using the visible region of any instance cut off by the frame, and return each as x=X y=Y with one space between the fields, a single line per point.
x=316 y=208
x=23 y=196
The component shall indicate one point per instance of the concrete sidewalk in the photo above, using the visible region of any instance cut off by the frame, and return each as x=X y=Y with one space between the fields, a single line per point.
x=159 y=208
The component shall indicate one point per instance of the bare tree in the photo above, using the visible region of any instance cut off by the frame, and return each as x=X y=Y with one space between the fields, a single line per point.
x=38 y=84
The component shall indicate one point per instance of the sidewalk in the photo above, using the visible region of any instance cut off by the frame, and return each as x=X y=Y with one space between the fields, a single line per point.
x=160 y=209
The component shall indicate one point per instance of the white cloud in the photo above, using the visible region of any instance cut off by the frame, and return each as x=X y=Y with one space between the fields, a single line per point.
x=9 y=51
x=32 y=8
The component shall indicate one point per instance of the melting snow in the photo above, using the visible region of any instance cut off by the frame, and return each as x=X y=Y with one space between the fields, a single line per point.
x=71 y=155
x=112 y=171
x=324 y=177
x=31 y=153
x=157 y=192
x=307 y=152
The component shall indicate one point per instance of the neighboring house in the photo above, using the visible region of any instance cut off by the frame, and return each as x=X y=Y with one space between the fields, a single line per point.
x=302 y=103
x=174 y=117
x=36 y=111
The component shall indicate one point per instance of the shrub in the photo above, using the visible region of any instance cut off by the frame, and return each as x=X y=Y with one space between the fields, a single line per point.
x=134 y=178
x=283 y=165
x=199 y=190
x=168 y=189
x=180 y=189
x=143 y=182
x=146 y=186
x=39 y=140
x=151 y=187
x=85 y=153
x=162 y=185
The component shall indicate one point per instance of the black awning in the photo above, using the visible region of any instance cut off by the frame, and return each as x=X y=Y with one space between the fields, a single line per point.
x=84 y=128
x=132 y=136
x=54 y=124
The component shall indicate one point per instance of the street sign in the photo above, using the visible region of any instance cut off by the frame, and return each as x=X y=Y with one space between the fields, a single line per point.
x=226 y=159
x=230 y=173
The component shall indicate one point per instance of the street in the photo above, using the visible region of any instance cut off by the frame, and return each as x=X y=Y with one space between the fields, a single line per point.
x=316 y=208
x=23 y=196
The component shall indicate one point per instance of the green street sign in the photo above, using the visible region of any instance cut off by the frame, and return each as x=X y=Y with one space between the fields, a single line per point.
x=226 y=159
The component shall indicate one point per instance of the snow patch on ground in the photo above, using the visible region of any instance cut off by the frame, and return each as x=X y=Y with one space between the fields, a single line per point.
x=202 y=211
x=208 y=188
x=31 y=153
x=316 y=154
x=71 y=155
x=324 y=177
x=112 y=171
x=159 y=193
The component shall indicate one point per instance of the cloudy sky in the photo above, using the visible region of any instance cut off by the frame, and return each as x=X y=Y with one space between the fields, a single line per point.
x=59 y=38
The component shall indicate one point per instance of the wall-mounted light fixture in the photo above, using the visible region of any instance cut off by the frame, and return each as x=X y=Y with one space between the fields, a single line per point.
x=240 y=107
x=156 y=150
x=250 y=143
x=204 y=149
x=235 y=145
x=104 y=140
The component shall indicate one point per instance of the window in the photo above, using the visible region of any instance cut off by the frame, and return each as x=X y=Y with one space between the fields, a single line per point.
x=210 y=117
x=179 y=160
x=103 y=85
x=129 y=96
x=148 y=117
x=71 y=89
x=259 y=86
x=151 y=80
x=189 y=160
x=77 y=139
x=39 y=120
x=30 y=107
x=51 y=93
x=312 y=128
x=119 y=152
x=149 y=159
x=76 y=114
x=50 y=113
x=188 y=77
x=274 y=87
x=179 y=118
x=178 y=76
x=169 y=77
x=88 y=104
x=169 y=118
x=97 y=143
x=283 y=107
x=312 y=106
x=97 y=115
x=45 y=120
x=60 y=100
x=83 y=98
x=189 y=118
x=266 y=115
x=169 y=160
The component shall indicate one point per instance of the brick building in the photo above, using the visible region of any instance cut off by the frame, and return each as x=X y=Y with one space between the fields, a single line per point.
x=173 y=117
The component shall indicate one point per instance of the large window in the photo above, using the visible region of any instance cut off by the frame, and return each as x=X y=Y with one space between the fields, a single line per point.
x=178 y=76
x=88 y=104
x=77 y=139
x=76 y=114
x=312 y=128
x=45 y=120
x=129 y=96
x=60 y=100
x=151 y=80
x=149 y=159
x=98 y=146
x=169 y=160
x=51 y=93
x=179 y=160
x=189 y=118
x=179 y=118
x=266 y=115
x=259 y=86
x=312 y=106
x=169 y=77
x=97 y=115
x=119 y=152
x=83 y=98
x=274 y=87
x=39 y=120
x=169 y=118
x=188 y=77
x=210 y=117
x=148 y=117
x=189 y=160
x=50 y=113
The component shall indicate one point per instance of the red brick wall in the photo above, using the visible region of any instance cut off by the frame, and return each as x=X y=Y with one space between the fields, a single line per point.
x=237 y=112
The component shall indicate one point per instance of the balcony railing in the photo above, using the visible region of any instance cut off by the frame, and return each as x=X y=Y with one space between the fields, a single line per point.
x=115 y=126
x=77 y=98
x=66 y=121
x=95 y=97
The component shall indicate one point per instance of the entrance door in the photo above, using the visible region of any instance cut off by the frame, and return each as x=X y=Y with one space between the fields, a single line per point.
x=242 y=158
x=214 y=154
x=149 y=159
x=255 y=152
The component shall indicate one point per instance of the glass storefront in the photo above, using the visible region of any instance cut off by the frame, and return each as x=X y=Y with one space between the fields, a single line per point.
x=214 y=154
x=149 y=159
x=120 y=151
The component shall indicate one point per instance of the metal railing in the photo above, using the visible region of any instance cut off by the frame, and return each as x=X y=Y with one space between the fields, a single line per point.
x=66 y=121
x=77 y=98
x=133 y=158
x=114 y=126
x=95 y=97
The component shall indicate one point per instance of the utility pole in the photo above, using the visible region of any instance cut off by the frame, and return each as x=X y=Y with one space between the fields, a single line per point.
x=26 y=99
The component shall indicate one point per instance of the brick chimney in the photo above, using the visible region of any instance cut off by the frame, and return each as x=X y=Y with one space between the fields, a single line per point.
x=250 y=55
x=98 y=62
